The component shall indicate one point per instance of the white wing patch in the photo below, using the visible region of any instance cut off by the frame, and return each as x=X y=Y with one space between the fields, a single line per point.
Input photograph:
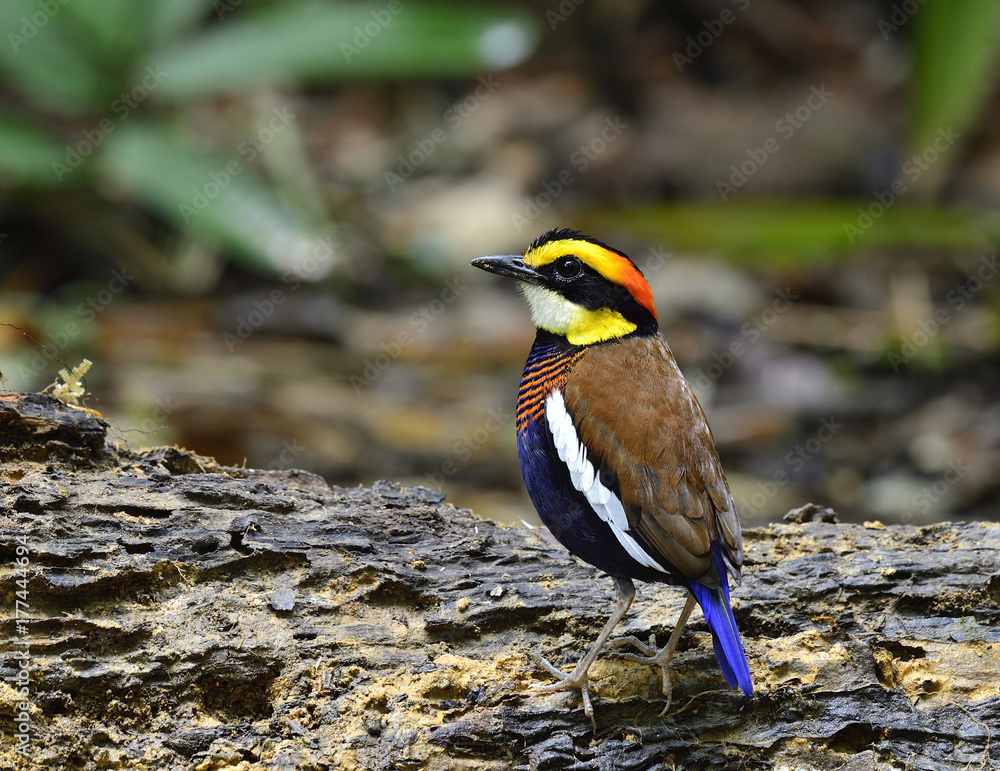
x=585 y=479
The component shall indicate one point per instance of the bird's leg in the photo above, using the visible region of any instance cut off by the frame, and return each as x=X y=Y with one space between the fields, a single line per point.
x=577 y=679
x=659 y=658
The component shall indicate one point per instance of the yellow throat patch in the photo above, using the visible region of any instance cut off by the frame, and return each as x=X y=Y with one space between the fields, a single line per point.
x=580 y=326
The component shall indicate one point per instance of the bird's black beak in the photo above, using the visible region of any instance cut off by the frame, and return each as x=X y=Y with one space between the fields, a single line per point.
x=510 y=265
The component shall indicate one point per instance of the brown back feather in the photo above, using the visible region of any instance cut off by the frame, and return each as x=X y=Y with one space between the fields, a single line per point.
x=635 y=411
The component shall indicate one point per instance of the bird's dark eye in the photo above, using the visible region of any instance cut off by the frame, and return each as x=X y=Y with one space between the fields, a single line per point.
x=569 y=267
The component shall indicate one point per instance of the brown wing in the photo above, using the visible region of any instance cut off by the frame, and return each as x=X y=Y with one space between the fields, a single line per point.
x=635 y=411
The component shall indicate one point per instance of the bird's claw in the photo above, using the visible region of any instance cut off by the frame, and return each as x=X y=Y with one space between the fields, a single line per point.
x=649 y=651
x=572 y=681
x=652 y=656
x=555 y=672
x=668 y=692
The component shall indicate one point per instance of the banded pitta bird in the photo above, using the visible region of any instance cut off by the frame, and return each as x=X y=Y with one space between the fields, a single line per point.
x=615 y=450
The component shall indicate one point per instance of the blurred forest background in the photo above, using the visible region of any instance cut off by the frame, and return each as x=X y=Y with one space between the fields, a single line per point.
x=256 y=219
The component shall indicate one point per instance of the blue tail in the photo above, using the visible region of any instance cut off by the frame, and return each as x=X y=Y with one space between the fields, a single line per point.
x=726 y=637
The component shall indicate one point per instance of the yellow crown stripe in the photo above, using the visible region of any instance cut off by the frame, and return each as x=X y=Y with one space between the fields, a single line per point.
x=612 y=266
x=598 y=258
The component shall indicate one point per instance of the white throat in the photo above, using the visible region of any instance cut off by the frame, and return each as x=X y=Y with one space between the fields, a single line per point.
x=550 y=311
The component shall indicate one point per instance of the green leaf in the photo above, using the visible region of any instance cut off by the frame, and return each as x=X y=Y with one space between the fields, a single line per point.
x=168 y=18
x=346 y=41
x=112 y=31
x=957 y=50
x=218 y=198
x=787 y=233
x=27 y=155
x=42 y=57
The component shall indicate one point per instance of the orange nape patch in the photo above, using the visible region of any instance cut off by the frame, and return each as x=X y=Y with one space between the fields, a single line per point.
x=609 y=264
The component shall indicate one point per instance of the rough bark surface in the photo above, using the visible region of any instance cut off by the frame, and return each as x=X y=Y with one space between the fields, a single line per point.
x=185 y=615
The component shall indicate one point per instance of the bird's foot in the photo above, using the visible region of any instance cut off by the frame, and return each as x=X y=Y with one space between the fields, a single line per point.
x=649 y=651
x=577 y=680
x=654 y=657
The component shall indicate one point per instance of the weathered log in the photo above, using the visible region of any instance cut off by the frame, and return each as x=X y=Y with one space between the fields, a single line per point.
x=178 y=614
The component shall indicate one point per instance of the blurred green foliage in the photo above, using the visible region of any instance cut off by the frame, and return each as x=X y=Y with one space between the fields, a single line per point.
x=102 y=114
x=107 y=133
x=787 y=233
x=957 y=48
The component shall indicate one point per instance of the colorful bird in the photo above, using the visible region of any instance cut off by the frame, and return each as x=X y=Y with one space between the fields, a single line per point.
x=615 y=450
